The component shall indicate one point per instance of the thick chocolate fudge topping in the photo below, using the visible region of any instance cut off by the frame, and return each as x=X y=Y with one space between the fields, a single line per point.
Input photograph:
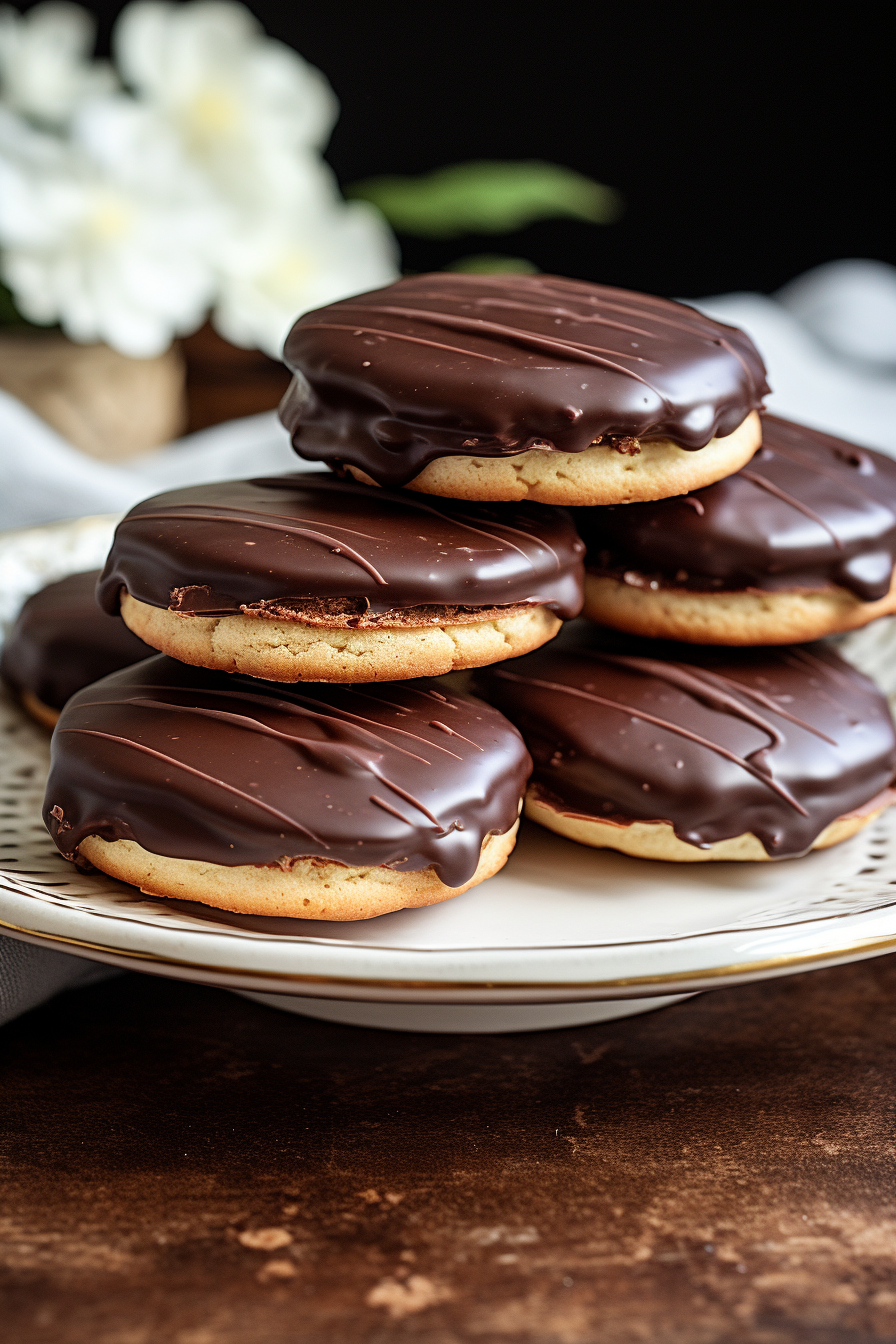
x=253 y=545
x=808 y=511
x=773 y=742
x=62 y=641
x=490 y=366
x=201 y=765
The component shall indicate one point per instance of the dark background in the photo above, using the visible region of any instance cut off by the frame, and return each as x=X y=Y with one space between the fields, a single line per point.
x=748 y=147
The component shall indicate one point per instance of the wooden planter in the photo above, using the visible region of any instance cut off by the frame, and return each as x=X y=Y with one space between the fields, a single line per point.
x=114 y=408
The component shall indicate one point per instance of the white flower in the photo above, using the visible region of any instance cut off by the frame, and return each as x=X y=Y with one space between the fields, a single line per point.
x=200 y=189
x=44 y=70
x=101 y=235
x=272 y=274
x=241 y=104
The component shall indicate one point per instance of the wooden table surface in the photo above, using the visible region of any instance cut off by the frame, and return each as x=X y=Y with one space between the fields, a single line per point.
x=183 y=1165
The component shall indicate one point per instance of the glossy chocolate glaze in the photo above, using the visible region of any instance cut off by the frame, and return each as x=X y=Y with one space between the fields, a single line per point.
x=201 y=765
x=489 y=366
x=238 y=545
x=773 y=742
x=62 y=640
x=807 y=512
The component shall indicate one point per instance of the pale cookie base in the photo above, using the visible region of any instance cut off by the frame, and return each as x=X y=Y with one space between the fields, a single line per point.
x=291 y=651
x=312 y=889
x=598 y=475
x=38 y=710
x=657 y=839
x=743 y=618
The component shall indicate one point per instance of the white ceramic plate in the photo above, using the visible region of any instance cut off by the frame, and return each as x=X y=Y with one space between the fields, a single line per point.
x=563 y=935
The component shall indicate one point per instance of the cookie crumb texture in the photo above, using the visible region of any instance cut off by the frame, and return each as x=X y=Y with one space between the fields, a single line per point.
x=291 y=651
x=309 y=889
x=598 y=475
x=734 y=619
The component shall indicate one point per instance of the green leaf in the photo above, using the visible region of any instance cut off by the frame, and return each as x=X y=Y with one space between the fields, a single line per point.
x=487 y=197
x=487 y=263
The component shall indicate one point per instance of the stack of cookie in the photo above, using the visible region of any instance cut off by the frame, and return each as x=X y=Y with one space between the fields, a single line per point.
x=457 y=413
x=205 y=774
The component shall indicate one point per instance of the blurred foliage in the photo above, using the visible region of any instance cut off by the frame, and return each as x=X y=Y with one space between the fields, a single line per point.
x=488 y=263
x=487 y=197
x=9 y=313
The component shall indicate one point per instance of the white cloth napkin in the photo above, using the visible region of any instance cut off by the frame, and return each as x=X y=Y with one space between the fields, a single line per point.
x=828 y=339
x=829 y=342
x=45 y=478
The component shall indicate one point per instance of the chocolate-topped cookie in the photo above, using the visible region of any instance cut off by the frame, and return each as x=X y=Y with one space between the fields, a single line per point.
x=304 y=577
x=505 y=387
x=324 y=803
x=670 y=752
x=62 y=640
x=799 y=544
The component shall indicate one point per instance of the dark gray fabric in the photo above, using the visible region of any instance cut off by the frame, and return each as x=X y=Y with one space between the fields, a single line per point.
x=29 y=975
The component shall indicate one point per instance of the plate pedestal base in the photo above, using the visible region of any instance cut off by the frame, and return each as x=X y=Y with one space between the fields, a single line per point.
x=463 y=1017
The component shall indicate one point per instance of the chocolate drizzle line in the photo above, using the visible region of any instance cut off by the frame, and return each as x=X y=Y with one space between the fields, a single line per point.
x=401 y=336
x=505 y=527
x=387 y=807
x=254 y=726
x=338 y=547
x=683 y=377
x=358 y=720
x=802 y=656
x=592 y=354
x=144 y=756
x=678 y=675
x=765 y=484
x=443 y=727
x=286 y=517
x=664 y=319
x=293 y=708
x=744 y=763
x=347 y=717
x=433 y=695
x=702 y=685
x=200 y=774
x=467 y=523
x=591 y=318
x=314 y=539
x=767 y=703
x=414 y=802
